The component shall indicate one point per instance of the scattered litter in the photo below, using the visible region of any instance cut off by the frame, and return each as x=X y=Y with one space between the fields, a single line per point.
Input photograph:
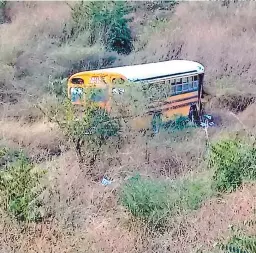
x=105 y=181
x=207 y=121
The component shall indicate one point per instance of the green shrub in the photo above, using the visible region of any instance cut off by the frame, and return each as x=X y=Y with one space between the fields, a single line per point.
x=8 y=156
x=179 y=123
x=89 y=127
x=192 y=192
x=105 y=21
x=57 y=86
x=19 y=189
x=96 y=125
x=2 y=11
x=233 y=161
x=154 y=200
x=240 y=245
x=146 y=198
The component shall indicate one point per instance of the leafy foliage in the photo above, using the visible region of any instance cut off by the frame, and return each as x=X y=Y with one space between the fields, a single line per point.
x=89 y=127
x=240 y=245
x=19 y=189
x=8 y=156
x=155 y=200
x=147 y=199
x=2 y=9
x=57 y=86
x=240 y=242
x=106 y=22
x=233 y=161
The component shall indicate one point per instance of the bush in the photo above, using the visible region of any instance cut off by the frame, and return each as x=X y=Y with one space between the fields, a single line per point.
x=89 y=127
x=192 y=192
x=154 y=200
x=2 y=11
x=57 y=86
x=19 y=189
x=233 y=161
x=147 y=199
x=8 y=156
x=243 y=244
x=106 y=22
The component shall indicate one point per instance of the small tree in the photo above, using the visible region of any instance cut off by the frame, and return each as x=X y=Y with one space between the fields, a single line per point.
x=104 y=21
x=88 y=127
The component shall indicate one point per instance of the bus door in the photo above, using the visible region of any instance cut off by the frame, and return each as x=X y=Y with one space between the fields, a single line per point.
x=98 y=91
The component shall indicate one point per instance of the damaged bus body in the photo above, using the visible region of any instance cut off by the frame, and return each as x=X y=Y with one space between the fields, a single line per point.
x=181 y=80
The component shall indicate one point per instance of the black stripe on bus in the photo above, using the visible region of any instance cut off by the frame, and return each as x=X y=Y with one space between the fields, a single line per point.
x=175 y=101
x=169 y=75
x=167 y=109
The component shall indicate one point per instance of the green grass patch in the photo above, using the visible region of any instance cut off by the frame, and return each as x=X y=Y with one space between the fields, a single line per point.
x=155 y=200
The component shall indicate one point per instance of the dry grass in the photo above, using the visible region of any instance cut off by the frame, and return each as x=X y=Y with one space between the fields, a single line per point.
x=40 y=140
x=203 y=228
x=33 y=53
x=220 y=38
x=86 y=216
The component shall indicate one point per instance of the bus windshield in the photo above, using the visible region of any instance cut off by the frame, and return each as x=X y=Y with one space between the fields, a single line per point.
x=97 y=94
x=79 y=94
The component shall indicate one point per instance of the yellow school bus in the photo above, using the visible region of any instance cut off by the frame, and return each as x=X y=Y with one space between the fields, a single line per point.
x=182 y=78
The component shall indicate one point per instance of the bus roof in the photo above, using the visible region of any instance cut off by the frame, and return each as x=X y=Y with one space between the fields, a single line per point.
x=155 y=70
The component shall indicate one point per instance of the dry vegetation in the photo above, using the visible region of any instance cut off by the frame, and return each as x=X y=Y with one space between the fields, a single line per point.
x=78 y=213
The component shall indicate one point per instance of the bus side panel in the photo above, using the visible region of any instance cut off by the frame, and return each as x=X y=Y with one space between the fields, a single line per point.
x=171 y=113
x=182 y=96
x=142 y=122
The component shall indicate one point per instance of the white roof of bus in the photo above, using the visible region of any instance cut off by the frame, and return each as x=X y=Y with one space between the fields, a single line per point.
x=154 y=70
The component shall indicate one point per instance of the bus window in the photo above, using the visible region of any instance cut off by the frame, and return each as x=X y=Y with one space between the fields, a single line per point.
x=172 y=81
x=195 y=82
x=184 y=80
x=190 y=83
x=118 y=91
x=118 y=81
x=77 y=81
x=185 y=87
x=179 y=81
x=178 y=88
x=76 y=94
x=173 y=90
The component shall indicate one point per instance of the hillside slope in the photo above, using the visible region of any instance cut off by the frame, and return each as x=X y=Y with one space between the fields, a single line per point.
x=183 y=191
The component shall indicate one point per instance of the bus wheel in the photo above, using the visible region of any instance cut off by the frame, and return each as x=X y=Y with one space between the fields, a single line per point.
x=156 y=123
x=193 y=114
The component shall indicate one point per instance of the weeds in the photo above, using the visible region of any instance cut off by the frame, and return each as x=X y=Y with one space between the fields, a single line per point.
x=2 y=14
x=240 y=242
x=57 y=86
x=244 y=244
x=234 y=161
x=156 y=200
x=19 y=189
x=148 y=199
